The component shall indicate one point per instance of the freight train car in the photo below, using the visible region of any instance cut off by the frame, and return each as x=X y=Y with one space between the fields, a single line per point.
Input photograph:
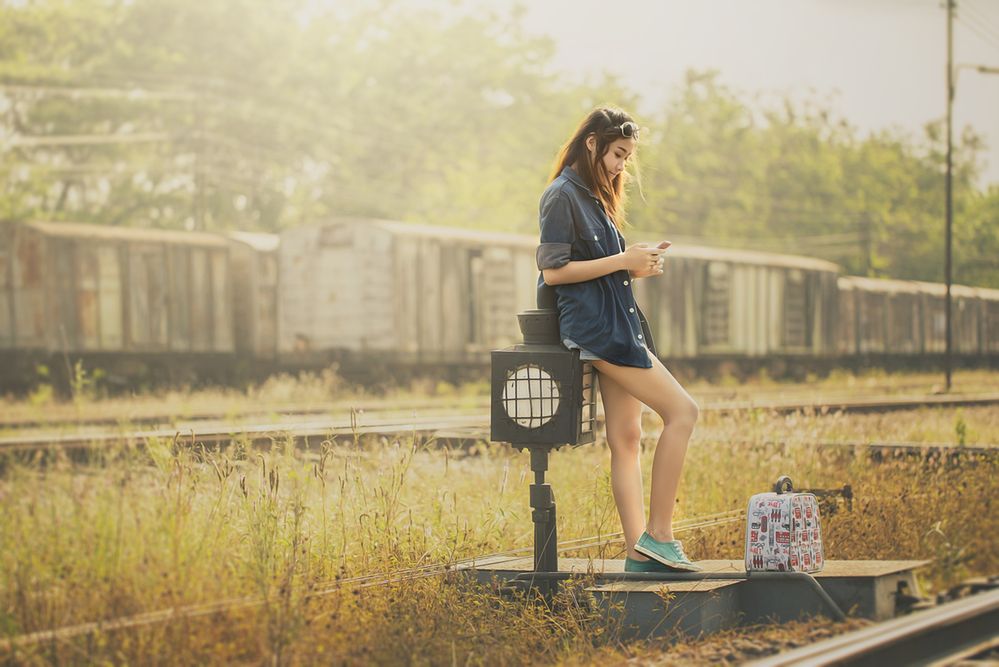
x=436 y=295
x=170 y=305
x=401 y=293
x=714 y=303
x=254 y=261
x=122 y=299
x=906 y=318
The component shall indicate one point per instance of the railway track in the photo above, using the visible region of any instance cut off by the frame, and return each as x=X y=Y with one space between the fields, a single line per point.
x=153 y=419
x=950 y=634
x=461 y=430
x=327 y=588
x=712 y=401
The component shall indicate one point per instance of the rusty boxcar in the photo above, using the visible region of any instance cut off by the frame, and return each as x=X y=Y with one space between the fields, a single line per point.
x=426 y=294
x=714 y=303
x=255 y=277
x=113 y=294
x=183 y=305
x=908 y=317
x=410 y=293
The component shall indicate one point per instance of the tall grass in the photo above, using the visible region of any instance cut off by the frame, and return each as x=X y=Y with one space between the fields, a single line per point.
x=284 y=528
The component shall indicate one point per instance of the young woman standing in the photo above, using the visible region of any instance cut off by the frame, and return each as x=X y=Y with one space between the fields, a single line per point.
x=586 y=275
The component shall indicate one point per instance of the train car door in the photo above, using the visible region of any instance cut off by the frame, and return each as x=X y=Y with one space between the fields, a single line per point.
x=147 y=302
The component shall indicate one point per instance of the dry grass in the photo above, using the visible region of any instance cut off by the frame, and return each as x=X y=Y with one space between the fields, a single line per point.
x=145 y=531
x=326 y=389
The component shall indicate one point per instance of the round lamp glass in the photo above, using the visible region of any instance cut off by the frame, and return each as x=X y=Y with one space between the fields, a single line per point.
x=530 y=396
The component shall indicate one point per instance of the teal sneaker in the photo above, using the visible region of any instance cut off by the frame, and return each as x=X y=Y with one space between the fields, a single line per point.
x=668 y=553
x=632 y=565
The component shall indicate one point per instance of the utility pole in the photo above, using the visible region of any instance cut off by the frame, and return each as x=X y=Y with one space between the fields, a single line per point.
x=951 y=82
x=950 y=210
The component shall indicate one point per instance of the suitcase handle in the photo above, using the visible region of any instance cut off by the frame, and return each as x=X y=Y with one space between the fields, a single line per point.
x=783 y=485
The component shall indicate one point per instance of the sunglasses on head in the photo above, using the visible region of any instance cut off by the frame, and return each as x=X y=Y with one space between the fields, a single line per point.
x=627 y=129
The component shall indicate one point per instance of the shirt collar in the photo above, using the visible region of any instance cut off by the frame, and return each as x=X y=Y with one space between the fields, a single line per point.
x=576 y=179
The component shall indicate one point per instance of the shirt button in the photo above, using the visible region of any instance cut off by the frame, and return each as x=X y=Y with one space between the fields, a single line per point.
x=639 y=336
x=631 y=310
x=594 y=237
x=625 y=282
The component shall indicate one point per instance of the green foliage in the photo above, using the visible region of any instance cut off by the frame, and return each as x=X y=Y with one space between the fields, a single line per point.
x=261 y=115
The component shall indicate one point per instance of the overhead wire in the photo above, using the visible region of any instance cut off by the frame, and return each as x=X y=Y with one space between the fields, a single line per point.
x=980 y=16
x=991 y=41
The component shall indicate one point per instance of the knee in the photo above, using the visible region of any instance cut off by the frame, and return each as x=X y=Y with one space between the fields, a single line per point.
x=625 y=440
x=685 y=416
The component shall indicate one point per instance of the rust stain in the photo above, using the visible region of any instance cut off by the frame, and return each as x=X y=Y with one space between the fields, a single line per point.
x=29 y=259
x=86 y=303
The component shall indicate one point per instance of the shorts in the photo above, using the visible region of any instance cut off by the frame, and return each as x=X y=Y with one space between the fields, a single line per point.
x=584 y=354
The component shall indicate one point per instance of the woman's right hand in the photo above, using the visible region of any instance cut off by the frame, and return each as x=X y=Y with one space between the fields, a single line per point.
x=640 y=258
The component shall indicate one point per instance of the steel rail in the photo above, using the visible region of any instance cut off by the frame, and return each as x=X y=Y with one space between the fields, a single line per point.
x=923 y=638
x=457 y=428
x=309 y=431
x=852 y=403
x=150 y=419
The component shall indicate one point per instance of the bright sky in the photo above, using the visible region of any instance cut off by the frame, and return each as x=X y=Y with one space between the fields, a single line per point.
x=880 y=63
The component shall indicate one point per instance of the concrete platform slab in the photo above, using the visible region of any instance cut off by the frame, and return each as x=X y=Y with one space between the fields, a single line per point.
x=867 y=588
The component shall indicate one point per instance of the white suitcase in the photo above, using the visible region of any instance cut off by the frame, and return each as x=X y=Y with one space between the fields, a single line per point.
x=782 y=531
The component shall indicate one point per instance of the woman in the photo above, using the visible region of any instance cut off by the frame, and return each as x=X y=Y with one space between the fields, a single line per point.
x=586 y=274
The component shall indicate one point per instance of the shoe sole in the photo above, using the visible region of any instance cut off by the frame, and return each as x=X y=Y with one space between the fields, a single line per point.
x=659 y=569
x=676 y=565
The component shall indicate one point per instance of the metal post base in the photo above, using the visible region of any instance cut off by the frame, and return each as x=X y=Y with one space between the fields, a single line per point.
x=543 y=514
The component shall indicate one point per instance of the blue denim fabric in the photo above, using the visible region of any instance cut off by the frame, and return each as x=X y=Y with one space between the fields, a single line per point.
x=584 y=354
x=600 y=315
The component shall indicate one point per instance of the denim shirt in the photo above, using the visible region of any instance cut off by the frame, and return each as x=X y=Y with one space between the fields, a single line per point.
x=601 y=314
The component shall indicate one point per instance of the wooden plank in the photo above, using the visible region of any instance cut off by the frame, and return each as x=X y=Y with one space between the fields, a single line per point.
x=775 y=310
x=703 y=586
x=64 y=322
x=244 y=273
x=501 y=328
x=378 y=297
x=221 y=302
x=832 y=569
x=179 y=272
x=138 y=300
x=404 y=251
x=456 y=299
x=339 y=291
x=297 y=259
x=266 y=310
x=87 y=291
x=160 y=316
x=200 y=300
x=29 y=290
x=6 y=286
x=430 y=312
x=110 y=297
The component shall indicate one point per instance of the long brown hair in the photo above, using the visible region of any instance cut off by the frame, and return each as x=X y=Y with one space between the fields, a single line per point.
x=605 y=124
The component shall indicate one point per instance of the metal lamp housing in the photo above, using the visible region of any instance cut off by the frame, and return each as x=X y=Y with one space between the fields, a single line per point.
x=542 y=394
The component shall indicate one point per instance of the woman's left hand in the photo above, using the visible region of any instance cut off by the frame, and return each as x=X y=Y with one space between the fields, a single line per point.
x=654 y=268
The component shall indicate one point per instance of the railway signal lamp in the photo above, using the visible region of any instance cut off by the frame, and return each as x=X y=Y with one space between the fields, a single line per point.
x=543 y=397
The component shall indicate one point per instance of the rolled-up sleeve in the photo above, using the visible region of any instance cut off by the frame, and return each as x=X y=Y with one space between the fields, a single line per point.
x=557 y=233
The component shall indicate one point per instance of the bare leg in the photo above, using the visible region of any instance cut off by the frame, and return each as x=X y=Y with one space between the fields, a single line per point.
x=657 y=388
x=623 y=421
